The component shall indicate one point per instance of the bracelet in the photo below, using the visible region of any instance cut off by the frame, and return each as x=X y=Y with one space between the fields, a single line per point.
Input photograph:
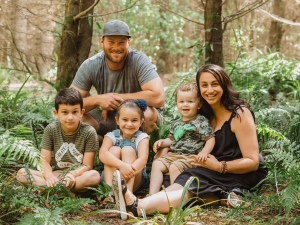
x=224 y=167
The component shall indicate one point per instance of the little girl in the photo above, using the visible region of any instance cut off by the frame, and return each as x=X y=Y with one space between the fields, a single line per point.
x=126 y=149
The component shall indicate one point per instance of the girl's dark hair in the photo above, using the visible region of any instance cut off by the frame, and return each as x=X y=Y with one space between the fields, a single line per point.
x=139 y=105
x=68 y=96
x=230 y=98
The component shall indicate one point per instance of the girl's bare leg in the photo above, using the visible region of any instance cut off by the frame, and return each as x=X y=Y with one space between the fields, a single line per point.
x=108 y=170
x=129 y=156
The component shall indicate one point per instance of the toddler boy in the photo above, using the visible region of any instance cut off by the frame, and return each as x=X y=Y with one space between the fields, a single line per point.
x=190 y=135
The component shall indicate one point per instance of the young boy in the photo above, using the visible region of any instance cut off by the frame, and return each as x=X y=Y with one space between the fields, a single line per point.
x=190 y=135
x=72 y=142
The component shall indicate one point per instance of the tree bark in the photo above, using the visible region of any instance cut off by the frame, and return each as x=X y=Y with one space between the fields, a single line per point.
x=67 y=61
x=276 y=29
x=75 y=43
x=85 y=33
x=213 y=32
x=163 y=61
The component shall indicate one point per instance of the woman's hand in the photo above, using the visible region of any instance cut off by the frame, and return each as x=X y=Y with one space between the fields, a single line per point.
x=211 y=163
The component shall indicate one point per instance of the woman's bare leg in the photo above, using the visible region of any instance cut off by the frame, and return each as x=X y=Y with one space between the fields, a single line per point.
x=158 y=201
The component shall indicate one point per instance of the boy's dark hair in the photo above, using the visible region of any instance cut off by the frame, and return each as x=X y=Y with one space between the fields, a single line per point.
x=68 y=96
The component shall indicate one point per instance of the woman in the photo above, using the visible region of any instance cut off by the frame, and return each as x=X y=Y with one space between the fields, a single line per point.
x=233 y=164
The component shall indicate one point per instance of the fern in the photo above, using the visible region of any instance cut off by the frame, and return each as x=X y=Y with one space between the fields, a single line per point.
x=290 y=196
x=265 y=132
x=43 y=216
x=294 y=129
x=18 y=149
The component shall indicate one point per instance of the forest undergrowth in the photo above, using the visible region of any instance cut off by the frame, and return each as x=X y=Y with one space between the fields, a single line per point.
x=270 y=83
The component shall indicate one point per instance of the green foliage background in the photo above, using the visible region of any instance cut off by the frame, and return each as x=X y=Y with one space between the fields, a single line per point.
x=270 y=83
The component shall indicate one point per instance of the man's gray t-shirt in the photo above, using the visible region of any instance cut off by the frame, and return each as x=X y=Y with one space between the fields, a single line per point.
x=136 y=72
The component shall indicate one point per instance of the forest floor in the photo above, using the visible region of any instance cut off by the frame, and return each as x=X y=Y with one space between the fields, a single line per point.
x=213 y=214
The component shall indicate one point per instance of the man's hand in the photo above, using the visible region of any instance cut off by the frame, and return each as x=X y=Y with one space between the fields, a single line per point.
x=110 y=101
x=69 y=181
x=51 y=180
x=127 y=171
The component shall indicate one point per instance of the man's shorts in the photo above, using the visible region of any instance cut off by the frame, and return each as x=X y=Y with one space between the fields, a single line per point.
x=182 y=162
x=111 y=125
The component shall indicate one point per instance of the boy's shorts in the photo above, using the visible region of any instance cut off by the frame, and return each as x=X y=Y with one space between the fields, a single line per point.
x=110 y=124
x=145 y=181
x=182 y=162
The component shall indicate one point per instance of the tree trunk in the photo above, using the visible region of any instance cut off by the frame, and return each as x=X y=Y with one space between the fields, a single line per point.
x=75 y=43
x=85 y=33
x=276 y=29
x=213 y=32
x=67 y=61
x=163 y=61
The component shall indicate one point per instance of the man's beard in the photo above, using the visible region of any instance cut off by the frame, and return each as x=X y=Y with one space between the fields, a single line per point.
x=112 y=60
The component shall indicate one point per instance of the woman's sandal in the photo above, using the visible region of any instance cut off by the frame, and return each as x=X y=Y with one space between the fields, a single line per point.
x=234 y=200
x=119 y=195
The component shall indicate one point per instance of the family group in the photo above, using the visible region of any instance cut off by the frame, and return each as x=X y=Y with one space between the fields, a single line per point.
x=214 y=140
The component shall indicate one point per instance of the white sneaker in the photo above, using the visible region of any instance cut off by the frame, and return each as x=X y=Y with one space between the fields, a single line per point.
x=117 y=188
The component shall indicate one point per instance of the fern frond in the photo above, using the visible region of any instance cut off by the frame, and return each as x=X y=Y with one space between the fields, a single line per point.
x=266 y=132
x=294 y=129
x=19 y=149
x=272 y=112
x=290 y=195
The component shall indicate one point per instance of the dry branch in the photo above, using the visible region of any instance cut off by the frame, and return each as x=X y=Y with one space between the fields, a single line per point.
x=85 y=11
x=282 y=20
x=122 y=10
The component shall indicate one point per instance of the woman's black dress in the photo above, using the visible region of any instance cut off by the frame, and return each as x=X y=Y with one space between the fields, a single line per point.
x=225 y=149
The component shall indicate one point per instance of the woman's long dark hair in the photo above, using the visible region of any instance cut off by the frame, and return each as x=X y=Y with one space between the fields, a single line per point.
x=230 y=98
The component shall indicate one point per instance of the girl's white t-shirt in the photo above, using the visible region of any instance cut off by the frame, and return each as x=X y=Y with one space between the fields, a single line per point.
x=137 y=141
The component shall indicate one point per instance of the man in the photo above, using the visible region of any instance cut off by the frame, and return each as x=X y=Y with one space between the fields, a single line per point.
x=118 y=73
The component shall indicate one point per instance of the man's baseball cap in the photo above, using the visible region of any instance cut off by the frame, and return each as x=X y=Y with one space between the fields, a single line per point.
x=116 y=27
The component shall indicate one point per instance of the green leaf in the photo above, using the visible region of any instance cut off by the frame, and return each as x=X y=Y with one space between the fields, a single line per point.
x=212 y=47
x=99 y=26
x=56 y=56
x=90 y=19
